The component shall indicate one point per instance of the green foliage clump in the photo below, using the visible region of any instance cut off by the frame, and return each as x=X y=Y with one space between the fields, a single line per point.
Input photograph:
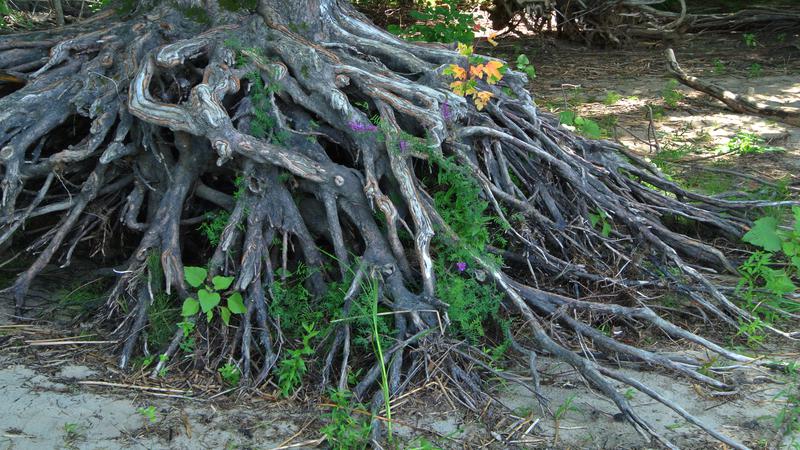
x=343 y=430
x=230 y=374
x=586 y=127
x=442 y=23
x=743 y=143
x=524 y=65
x=458 y=199
x=293 y=367
x=196 y=14
x=769 y=274
x=671 y=94
x=213 y=225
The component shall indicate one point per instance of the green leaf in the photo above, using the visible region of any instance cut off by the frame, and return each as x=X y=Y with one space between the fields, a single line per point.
x=796 y=262
x=190 y=307
x=522 y=61
x=225 y=313
x=208 y=300
x=221 y=283
x=796 y=214
x=594 y=219
x=764 y=234
x=606 y=229
x=235 y=303
x=195 y=276
x=779 y=282
x=790 y=248
x=209 y=316
x=567 y=117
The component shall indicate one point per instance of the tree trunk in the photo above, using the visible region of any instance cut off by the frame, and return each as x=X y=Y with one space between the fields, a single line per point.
x=139 y=125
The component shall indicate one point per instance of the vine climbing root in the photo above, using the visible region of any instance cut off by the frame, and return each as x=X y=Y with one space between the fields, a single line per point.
x=336 y=150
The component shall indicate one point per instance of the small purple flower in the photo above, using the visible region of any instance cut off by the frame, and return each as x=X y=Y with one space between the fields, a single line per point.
x=445 y=110
x=362 y=127
x=461 y=266
x=404 y=146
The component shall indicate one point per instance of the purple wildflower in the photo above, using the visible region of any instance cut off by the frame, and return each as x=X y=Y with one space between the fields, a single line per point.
x=461 y=266
x=404 y=146
x=445 y=110
x=362 y=127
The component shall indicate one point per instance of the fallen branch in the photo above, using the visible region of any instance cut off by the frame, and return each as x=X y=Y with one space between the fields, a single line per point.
x=736 y=102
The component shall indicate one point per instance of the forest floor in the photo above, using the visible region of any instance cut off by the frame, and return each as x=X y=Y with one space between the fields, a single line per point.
x=53 y=393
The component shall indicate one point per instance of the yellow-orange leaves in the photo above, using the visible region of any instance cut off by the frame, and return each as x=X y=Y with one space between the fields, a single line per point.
x=492 y=71
x=482 y=99
x=466 y=80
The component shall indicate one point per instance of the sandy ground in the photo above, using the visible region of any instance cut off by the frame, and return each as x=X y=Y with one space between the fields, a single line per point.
x=46 y=405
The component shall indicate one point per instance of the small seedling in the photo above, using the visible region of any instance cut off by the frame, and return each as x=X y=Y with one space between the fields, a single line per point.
x=209 y=296
x=611 y=98
x=601 y=218
x=629 y=394
x=671 y=94
x=148 y=413
x=755 y=70
x=524 y=65
x=750 y=40
x=73 y=433
x=230 y=374
x=719 y=67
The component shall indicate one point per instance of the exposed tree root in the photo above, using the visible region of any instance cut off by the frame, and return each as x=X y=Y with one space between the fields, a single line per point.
x=325 y=189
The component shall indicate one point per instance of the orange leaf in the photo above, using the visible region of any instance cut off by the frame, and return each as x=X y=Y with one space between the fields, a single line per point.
x=490 y=39
x=476 y=71
x=458 y=72
x=482 y=99
x=492 y=71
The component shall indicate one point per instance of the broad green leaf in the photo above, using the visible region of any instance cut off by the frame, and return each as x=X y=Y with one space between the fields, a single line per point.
x=221 y=283
x=209 y=316
x=235 y=303
x=594 y=219
x=190 y=307
x=225 y=313
x=522 y=61
x=195 y=276
x=764 y=234
x=208 y=300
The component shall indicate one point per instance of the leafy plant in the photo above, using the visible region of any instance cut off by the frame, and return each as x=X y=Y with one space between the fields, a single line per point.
x=343 y=431
x=292 y=368
x=467 y=79
x=209 y=296
x=601 y=218
x=586 y=127
x=671 y=94
x=524 y=65
x=148 y=413
x=750 y=40
x=744 y=143
x=755 y=70
x=719 y=67
x=74 y=433
x=769 y=274
x=213 y=225
x=230 y=374
x=443 y=23
x=611 y=98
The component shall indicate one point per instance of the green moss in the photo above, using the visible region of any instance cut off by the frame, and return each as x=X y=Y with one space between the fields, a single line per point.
x=238 y=5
